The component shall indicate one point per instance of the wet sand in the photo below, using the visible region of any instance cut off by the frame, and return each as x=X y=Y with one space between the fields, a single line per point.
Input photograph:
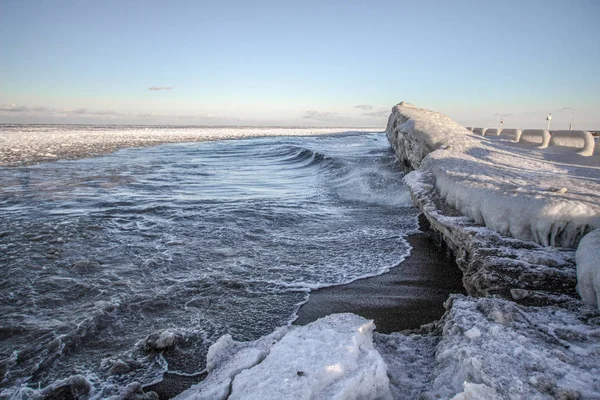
x=407 y=297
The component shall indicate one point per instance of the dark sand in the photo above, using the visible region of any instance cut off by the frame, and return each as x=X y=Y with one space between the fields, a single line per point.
x=407 y=297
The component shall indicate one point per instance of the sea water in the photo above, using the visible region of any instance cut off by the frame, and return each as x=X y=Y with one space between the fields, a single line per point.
x=202 y=239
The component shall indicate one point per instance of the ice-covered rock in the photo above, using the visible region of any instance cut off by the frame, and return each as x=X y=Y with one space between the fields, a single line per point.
x=415 y=132
x=511 y=189
x=331 y=358
x=588 y=268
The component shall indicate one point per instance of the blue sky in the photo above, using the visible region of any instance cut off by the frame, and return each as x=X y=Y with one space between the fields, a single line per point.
x=299 y=63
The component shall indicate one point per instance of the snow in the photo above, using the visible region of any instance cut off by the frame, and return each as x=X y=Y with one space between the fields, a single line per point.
x=491 y=132
x=416 y=132
x=532 y=194
x=226 y=358
x=535 y=136
x=581 y=140
x=511 y=134
x=521 y=352
x=331 y=358
x=494 y=348
x=30 y=144
x=588 y=268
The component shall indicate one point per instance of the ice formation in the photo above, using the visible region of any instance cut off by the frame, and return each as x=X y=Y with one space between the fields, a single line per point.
x=535 y=136
x=588 y=268
x=511 y=134
x=491 y=348
x=527 y=193
x=581 y=140
x=31 y=144
x=331 y=358
x=491 y=132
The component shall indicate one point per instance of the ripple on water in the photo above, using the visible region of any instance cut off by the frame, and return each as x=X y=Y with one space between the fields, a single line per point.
x=202 y=239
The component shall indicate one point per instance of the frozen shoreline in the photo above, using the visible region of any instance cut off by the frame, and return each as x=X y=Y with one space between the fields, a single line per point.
x=22 y=145
x=522 y=333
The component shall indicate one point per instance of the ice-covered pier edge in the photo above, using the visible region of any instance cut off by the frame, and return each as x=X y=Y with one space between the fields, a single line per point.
x=522 y=333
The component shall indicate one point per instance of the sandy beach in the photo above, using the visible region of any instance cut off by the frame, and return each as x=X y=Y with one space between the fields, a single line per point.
x=407 y=297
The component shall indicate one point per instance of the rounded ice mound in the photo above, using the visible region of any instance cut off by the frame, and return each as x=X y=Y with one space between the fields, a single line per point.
x=588 y=268
x=331 y=358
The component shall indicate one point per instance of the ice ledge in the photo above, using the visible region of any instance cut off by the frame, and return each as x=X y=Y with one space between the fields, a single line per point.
x=529 y=194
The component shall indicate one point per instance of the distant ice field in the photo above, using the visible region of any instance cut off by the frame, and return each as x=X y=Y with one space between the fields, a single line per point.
x=203 y=239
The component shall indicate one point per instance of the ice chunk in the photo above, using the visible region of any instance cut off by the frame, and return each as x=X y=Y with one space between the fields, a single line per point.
x=588 y=268
x=536 y=353
x=331 y=358
x=476 y=391
x=473 y=333
x=226 y=358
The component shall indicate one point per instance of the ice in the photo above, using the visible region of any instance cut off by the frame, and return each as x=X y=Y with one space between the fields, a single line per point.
x=31 y=144
x=581 y=140
x=511 y=134
x=491 y=132
x=588 y=268
x=521 y=352
x=532 y=194
x=476 y=391
x=535 y=136
x=226 y=358
x=331 y=358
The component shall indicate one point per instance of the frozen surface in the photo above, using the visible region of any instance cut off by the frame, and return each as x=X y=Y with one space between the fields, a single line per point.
x=535 y=136
x=491 y=348
x=581 y=141
x=331 y=358
x=511 y=134
x=541 y=195
x=518 y=352
x=31 y=144
x=588 y=268
x=491 y=132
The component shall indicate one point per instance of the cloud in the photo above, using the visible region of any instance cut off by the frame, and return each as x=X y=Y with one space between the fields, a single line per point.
x=13 y=108
x=320 y=115
x=503 y=115
x=86 y=115
x=382 y=112
x=564 y=109
x=364 y=107
x=160 y=88
x=61 y=112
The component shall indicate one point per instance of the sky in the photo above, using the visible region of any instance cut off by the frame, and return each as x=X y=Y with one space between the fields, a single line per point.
x=300 y=63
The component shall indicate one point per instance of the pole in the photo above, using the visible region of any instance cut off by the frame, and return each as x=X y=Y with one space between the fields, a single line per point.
x=548 y=118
